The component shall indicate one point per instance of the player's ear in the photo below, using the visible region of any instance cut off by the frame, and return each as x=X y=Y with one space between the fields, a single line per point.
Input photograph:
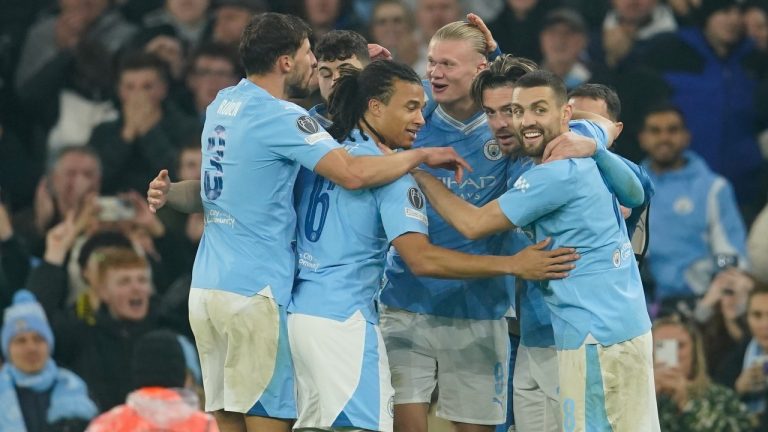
x=483 y=65
x=567 y=112
x=284 y=63
x=374 y=107
x=619 y=128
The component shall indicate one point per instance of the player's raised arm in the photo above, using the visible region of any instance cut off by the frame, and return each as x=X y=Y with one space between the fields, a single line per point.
x=352 y=172
x=472 y=222
x=182 y=196
x=532 y=263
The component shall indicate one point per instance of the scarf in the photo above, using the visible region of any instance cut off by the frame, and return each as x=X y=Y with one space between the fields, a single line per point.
x=69 y=398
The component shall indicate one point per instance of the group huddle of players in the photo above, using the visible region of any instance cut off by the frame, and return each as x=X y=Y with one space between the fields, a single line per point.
x=475 y=195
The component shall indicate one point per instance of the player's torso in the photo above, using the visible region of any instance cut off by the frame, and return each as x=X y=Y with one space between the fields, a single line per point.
x=341 y=245
x=476 y=298
x=247 y=196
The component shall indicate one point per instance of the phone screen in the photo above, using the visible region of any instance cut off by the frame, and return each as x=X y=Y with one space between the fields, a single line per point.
x=666 y=352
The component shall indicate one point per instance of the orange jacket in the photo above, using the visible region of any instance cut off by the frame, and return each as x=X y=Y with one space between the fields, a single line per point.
x=153 y=409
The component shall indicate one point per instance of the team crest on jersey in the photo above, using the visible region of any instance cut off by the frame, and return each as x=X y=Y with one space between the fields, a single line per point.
x=683 y=205
x=416 y=198
x=616 y=258
x=307 y=124
x=492 y=150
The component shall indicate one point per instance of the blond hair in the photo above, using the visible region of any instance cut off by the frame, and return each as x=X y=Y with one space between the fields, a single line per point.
x=462 y=31
x=110 y=258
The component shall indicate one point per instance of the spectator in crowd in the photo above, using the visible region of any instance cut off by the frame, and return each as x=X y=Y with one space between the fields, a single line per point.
x=100 y=353
x=694 y=219
x=431 y=15
x=51 y=275
x=14 y=260
x=213 y=67
x=756 y=24
x=688 y=400
x=392 y=26
x=63 y=75
x=161 y=399
x=714 y=72
x=563 y=39
x=148 y=133
x=187 y=20
x=517 y=26
x=627 y=30
x=722 y=316
x=37 y=395
x=752 y=383
x=757 y=246
x=75 y=174
x=326 y=15
x=230 y=18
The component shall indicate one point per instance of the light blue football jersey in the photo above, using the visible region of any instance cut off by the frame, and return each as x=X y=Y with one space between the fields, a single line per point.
x=343 y=237
x=472 y=298
x=568 y=201
x=253 y=145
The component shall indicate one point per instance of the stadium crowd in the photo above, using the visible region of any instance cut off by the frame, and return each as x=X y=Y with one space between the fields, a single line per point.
x=98 y=96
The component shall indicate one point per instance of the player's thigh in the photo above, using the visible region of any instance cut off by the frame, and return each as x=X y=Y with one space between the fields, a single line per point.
x=243 y=348
x=412 y=361
x=473 y=369
x=608 y=388
x=535 y=390
x=349 y=383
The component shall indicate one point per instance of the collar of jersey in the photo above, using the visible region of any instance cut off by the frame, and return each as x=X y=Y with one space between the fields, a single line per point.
x=465 y=128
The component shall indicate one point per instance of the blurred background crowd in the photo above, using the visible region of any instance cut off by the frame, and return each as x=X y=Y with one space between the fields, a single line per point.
x=96 y=96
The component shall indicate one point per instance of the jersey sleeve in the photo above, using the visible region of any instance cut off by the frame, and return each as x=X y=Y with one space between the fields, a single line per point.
x=538 y=192
x=590 y=129
x=402 y=207
x=301 y=138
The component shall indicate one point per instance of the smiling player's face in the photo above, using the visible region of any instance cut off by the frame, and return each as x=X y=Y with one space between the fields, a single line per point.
x=400 y=119
x=537 y=117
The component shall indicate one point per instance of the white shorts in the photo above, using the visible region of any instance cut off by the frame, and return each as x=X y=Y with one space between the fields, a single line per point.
x=467 y=359
x=342 y=374
x=609 y=388
x=535 y=386
x=244 y=352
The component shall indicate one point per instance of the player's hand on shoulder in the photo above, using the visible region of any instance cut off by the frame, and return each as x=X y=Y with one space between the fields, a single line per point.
x=157 y=195
x=569 y=145
x=446 y=158
x=537 y=263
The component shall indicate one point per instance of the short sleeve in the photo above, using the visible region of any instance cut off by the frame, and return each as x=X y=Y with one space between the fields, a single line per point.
x=299 y=137
x=402 y=207
x=538 y=192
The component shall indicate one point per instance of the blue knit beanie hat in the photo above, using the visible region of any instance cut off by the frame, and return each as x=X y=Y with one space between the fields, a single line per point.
x=24 y=315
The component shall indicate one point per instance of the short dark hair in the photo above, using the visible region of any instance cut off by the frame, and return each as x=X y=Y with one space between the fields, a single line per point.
x=217 y=50
x=543 y=78
x=269 y=36
x=342 y=45
x=502 y=72
x=600 y=92
x=662 y=108
x=354 y=88
x=140 y=60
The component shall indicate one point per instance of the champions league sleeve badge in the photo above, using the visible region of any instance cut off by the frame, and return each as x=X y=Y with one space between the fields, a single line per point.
x=307 y=124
